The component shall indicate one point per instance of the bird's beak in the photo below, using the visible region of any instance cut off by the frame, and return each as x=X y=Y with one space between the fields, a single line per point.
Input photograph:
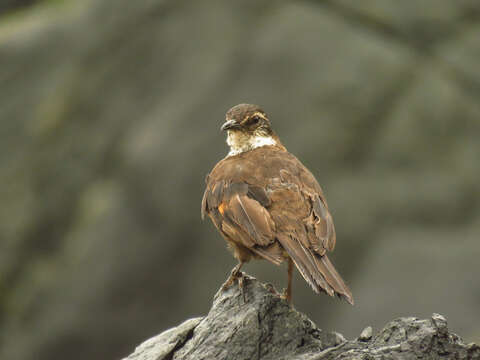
x=230 y=124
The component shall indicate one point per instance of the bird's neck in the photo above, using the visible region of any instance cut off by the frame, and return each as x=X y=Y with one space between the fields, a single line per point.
x=240 y=142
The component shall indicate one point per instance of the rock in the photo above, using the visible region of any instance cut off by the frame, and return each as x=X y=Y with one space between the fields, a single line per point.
x=166 y=343
x=366 y=334
x=261 y=325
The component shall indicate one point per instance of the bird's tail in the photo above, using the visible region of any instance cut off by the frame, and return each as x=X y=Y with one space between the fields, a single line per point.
x=333 y=278
x=316 y=269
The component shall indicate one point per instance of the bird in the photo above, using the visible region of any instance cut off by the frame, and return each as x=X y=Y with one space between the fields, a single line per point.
x=267 y=205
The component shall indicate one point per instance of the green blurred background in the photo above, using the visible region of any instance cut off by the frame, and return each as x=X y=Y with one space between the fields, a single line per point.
x=110 y=114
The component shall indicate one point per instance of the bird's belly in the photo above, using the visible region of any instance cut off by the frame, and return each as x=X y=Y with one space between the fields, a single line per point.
x=240 y=252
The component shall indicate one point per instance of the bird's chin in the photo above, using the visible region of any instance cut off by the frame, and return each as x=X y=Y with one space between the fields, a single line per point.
x=236 y=138
x=240 y=142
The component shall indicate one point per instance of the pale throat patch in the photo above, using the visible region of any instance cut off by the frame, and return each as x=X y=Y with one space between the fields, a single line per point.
x=240 y=142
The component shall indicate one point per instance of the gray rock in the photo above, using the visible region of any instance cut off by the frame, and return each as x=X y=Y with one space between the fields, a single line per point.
x=366 y=334
x=261 y=325
x=161 y=346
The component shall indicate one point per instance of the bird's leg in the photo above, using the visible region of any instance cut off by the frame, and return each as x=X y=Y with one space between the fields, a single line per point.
x=287 y=293
x=235 y=274
x=241 y=286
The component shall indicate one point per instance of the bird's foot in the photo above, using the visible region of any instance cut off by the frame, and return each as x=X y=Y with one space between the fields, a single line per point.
x=234 y=275
x=271 y=288
x=286 y=295
x=238 y=275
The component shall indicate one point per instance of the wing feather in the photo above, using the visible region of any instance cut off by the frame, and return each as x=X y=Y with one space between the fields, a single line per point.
x=253 y=217
x=305 y=230
x=323 y=223
x=241 y=217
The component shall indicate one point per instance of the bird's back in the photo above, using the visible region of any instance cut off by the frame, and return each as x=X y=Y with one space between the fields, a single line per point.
x=264 y=166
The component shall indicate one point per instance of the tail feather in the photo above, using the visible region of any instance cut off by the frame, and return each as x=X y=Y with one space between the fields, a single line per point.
x=305 y=263
x=333 y=278
x=316 y=269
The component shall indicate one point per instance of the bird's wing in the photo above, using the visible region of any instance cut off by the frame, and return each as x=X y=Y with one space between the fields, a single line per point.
x=304 y=194
x=319 y=224
x=239 y=211
x=304 y=228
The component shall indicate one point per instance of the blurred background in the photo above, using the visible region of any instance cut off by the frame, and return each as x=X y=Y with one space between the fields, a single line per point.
x=110 y=114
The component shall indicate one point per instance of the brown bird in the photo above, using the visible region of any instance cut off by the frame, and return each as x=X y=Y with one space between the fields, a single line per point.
x=267 y=205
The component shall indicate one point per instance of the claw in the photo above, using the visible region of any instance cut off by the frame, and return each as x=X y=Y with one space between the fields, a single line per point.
x=236 y=274
x=286 y=296
x=272 y=290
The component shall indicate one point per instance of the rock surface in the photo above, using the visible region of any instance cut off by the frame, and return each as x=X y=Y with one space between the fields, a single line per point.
x=258 y=324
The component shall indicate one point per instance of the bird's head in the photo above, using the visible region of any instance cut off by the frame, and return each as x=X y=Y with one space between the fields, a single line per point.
x=248 y=128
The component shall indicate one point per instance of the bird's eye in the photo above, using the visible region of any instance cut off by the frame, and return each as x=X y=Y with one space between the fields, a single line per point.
x=255 y=120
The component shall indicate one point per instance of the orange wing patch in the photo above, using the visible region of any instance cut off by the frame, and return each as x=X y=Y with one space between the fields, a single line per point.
x=222 y=208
